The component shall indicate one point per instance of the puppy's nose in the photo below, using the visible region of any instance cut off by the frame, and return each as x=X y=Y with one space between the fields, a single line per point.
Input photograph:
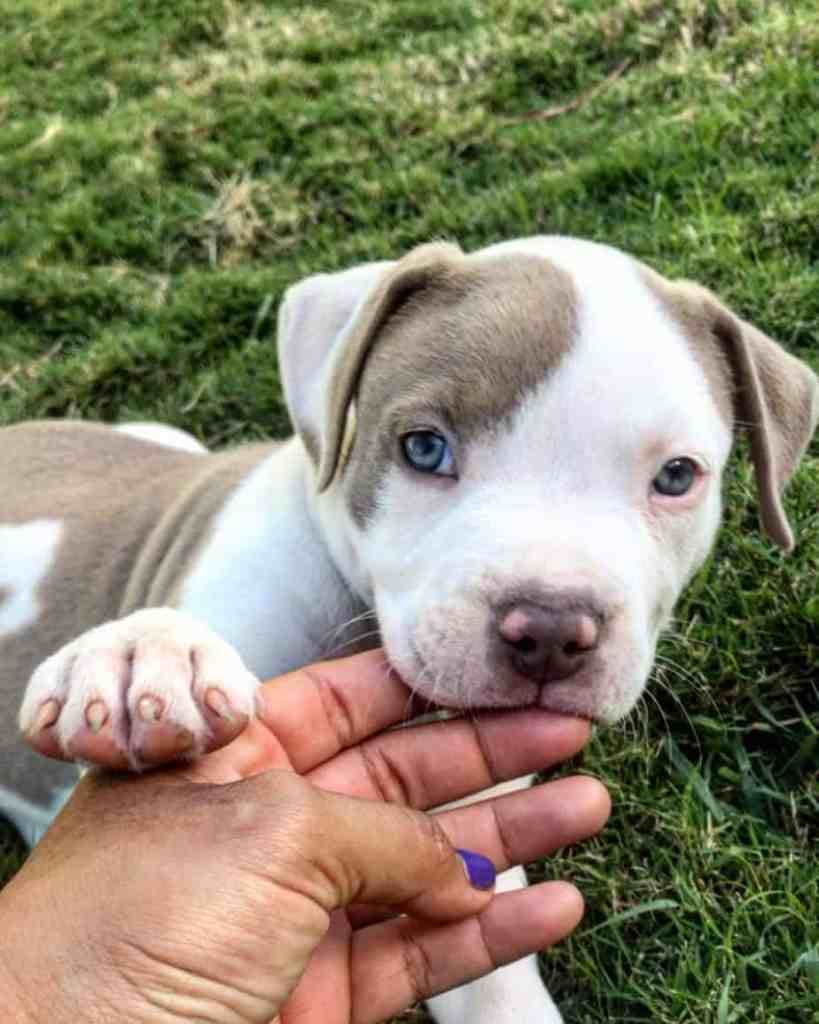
x=547 y=643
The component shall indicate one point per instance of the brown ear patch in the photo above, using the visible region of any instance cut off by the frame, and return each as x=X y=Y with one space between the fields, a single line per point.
x=756 y=385
x=413 y=273
x=775 y=398
x=686 y=303
x=463 y=351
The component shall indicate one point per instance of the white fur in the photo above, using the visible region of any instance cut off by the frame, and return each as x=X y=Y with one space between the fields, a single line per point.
x=27 y=554
x=156 y=651
x=281 y=601
x=158 y=433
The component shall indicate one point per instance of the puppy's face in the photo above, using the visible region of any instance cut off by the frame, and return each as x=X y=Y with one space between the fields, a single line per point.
x=531 y=474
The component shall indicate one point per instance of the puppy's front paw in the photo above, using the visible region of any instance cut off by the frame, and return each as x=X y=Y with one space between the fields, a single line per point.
x=154 y=687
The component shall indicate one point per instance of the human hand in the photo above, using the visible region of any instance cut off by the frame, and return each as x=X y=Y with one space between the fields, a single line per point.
x=213 y=892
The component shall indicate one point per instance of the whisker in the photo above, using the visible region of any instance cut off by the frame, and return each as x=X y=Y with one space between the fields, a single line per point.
x=650 y=696
x=336 y=631
x=634 y=728
x=359 y=638
x=669 y=690
x=675 y=634
x=664 y=662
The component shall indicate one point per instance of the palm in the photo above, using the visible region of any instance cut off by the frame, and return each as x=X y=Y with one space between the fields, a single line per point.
x=328 y=726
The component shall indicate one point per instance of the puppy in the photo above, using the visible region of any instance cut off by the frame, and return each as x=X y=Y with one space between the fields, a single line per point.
x=513 y=457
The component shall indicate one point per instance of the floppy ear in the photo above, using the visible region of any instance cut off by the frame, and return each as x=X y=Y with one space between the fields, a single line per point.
x=776 y=400
x=327 y=325
x=311 y=318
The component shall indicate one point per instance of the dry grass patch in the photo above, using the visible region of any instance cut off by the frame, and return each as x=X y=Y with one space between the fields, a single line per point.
x=246 y=32
x=247 y=212
x=24 y=373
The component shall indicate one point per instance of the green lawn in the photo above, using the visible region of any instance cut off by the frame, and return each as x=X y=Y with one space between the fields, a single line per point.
x=166 y=170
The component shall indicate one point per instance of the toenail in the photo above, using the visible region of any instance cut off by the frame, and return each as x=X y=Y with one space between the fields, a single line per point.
x=185 y=737
x=47 y=715
x=150 y=708
x=219 y=705
x=96 y=715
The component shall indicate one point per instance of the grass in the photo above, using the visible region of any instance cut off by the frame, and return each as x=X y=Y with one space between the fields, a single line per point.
x=167 y=170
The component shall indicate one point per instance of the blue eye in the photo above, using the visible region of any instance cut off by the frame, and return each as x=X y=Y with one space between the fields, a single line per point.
x=676 y=478
x=428 y=452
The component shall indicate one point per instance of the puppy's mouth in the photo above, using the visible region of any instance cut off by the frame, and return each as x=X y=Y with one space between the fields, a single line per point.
x=564 y=704
x=574 y=696
x=456 y=709
x=565 y=698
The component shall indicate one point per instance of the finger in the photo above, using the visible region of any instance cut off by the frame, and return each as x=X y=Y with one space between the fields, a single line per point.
x=516 y=829
x=532 y=823
x=362 y=915
x=344 y=701
x=323 y=994
x=428 y=765
x=338 y=850
x=418 y=957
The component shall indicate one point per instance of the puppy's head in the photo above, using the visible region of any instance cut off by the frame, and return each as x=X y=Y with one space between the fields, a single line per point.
x=518 y=456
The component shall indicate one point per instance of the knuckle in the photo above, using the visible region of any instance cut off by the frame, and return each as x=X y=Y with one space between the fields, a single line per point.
x=271 y=804
x=435 y=839
x=490 y=960
x=388 y=782
x=337 y=710
x=503 y=831
x=487 y=756
x=417 y=965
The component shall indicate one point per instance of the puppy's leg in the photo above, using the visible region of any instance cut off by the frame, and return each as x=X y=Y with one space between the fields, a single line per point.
x=514 y=994
x=153 y=687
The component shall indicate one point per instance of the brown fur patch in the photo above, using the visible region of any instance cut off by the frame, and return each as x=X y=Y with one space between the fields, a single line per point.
x=134 y=516
x=464 y=350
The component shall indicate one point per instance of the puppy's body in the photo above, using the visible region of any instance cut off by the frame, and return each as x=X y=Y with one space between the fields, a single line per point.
x=227 y=538
x=514 y=457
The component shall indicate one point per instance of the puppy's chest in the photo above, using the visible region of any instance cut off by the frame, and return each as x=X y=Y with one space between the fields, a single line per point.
x=266 y=582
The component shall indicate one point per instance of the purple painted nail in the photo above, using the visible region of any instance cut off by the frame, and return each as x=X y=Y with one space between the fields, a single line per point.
x=479 y=869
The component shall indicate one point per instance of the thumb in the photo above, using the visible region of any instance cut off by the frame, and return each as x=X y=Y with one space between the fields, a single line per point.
x=366 y=851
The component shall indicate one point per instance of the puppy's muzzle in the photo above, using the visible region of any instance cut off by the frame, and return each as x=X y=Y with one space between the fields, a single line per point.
x=548 y=641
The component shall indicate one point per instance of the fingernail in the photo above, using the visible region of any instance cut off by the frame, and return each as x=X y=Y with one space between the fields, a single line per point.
x=479 y=869
x=150 y=708
x=218 y=704
x=96 y=715
x=47 y=715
